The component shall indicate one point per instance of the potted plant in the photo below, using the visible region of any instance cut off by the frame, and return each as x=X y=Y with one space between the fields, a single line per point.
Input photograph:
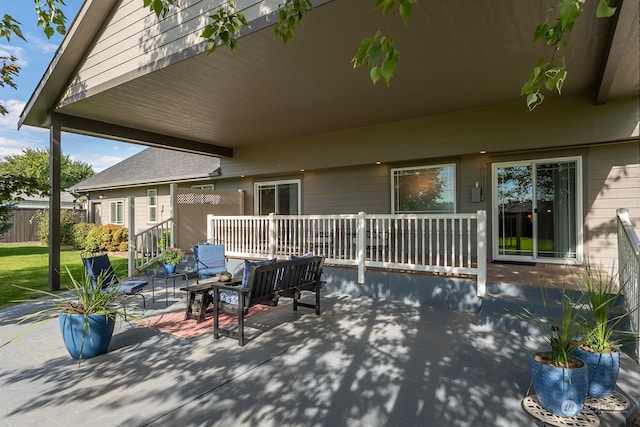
x=604 y=318
x=170 y=258
x=86 y=314
x=559 y=378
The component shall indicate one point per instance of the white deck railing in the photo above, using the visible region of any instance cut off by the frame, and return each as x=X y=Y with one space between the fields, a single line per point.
x=146 y=246
x=629 y=270
x=454 y=243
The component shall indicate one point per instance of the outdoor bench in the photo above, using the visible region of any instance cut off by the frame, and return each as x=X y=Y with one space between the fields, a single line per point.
x=265 y=284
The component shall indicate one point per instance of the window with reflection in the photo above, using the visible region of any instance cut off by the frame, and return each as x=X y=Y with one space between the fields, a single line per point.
x=424 y=189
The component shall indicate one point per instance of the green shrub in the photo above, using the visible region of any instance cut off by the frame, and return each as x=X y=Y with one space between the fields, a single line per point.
x=109 y=237
x=67 y=223
x=165 y=239
x=92 y=240
x=80 y=233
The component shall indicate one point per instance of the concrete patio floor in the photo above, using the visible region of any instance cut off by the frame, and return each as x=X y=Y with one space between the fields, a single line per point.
x=362 y=362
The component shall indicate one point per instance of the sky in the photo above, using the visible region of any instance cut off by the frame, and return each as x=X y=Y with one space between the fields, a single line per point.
x=34 y=57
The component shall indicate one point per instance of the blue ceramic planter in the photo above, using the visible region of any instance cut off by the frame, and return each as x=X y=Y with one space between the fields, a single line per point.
x=169 y=268
x=603 y=371
x=97 y=335
x=561 y=391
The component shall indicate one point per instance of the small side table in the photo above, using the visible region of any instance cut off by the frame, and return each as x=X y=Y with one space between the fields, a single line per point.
x=204 y=289
x=166 y=278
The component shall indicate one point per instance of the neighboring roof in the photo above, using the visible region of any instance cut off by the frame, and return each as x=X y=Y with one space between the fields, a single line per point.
x=67 y=201
x=152 y=166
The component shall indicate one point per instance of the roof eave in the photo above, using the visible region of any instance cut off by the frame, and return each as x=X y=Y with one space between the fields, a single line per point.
x=79 y=37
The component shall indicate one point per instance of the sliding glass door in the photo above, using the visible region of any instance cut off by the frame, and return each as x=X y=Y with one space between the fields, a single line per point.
x=537 y=213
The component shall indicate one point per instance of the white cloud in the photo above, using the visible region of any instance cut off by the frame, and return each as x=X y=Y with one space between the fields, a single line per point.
x=18 y=52
x=10 y=120
x=102 y=162
x=10 y=147
x=41 y=44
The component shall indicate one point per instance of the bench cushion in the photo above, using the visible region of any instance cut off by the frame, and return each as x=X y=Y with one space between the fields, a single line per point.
x=231 y=297
x=308 y=254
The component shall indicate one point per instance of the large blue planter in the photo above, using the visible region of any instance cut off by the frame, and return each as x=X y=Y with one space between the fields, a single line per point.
x=603 y=371
x=561 y=391
x=97 y=335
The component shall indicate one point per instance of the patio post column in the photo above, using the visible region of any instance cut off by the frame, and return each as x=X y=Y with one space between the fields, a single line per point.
x=273 y=235
x=482 y=253
x=54 y=204
x=361 y=232
x=131 y=221
x=173 y=226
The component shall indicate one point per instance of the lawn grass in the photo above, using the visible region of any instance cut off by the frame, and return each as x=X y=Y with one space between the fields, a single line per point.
x=28 y=265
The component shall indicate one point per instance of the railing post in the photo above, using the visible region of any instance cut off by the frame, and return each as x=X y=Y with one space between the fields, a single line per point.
x=131 y=221
x=361 y=234
x=210 y=227
x=481 y=253
x=273 y=235
x=173 y=195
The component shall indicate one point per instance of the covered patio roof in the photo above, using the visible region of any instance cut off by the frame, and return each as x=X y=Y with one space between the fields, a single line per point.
x=454 y=55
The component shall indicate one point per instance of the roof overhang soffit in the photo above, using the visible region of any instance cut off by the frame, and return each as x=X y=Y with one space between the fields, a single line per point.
x=126 y=134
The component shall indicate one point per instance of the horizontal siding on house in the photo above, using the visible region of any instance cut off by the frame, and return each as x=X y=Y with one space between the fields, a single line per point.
x=613 y=181
x=134 y=41
x=347 y=191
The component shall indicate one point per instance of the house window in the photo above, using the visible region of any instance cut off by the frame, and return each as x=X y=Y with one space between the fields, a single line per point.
x=152 y=205
x=203 y=187
x=280 y=197
x=116 y=212
x=424 y=189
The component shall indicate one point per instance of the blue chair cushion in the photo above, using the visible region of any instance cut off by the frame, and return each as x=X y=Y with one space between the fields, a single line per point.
x=133 y=286
x=210 y=260
x=231 y=297
x=100 y=265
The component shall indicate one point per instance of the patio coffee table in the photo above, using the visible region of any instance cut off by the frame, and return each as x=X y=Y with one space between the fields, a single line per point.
x=203 y=288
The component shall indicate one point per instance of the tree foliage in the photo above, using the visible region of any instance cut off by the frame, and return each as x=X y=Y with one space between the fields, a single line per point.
x=33 y=164
x=49 y=16
x=551 y=73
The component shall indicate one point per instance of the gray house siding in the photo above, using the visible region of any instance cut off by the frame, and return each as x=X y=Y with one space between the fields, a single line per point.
x=610 y=180
x=135 y=42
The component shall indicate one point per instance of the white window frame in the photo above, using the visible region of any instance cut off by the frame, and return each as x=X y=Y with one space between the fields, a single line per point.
x=119 y=208
x=423 y=167
x=579 y=210
x=152 y=196
x=256 y=192
x=203 y=187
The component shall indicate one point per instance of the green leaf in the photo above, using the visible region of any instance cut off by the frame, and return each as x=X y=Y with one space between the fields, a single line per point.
x=534 y=99
x=570 y=10
x=405 y=10
x=540 y=31
x=604 y=10
x=389 y=65
x=375 y=74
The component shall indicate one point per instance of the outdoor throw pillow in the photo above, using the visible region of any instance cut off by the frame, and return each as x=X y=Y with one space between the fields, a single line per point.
x=231 y=297
x=308 y=254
